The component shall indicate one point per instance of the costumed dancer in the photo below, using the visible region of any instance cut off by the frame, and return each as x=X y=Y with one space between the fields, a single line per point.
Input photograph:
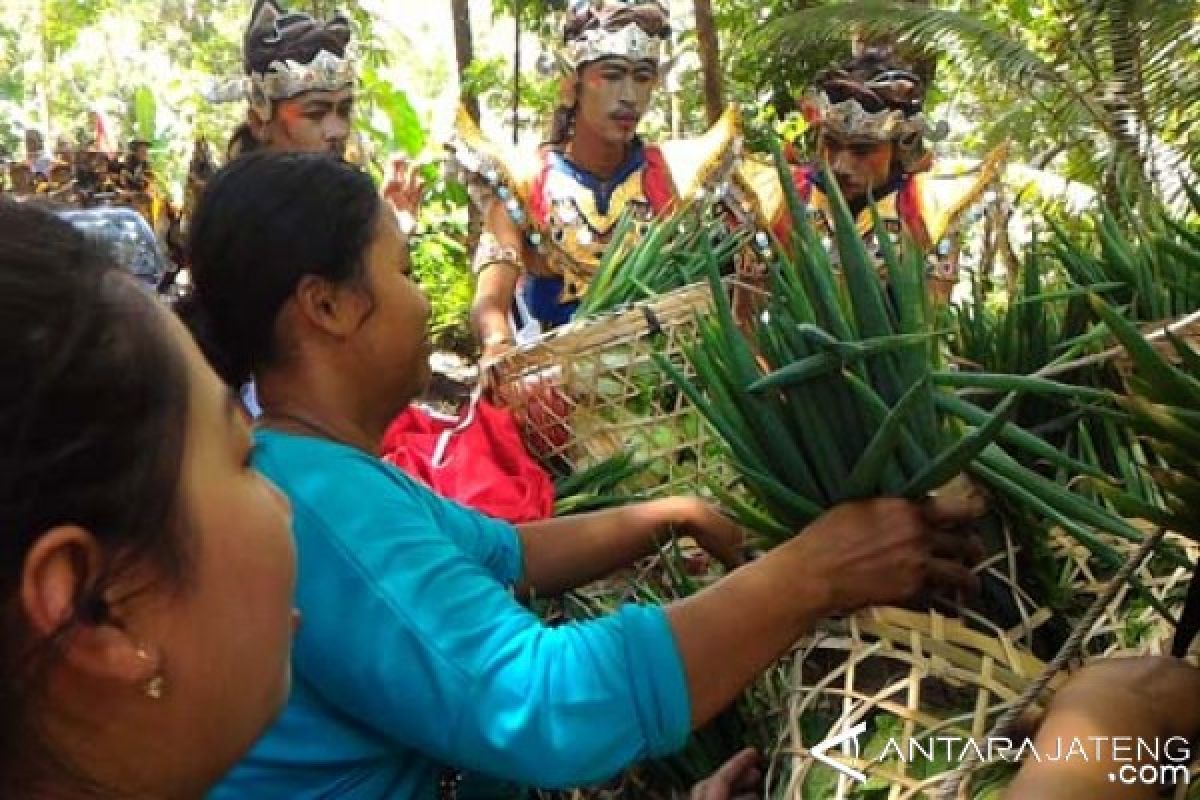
x=136 y=174
x=26 y=174
x=549 y=214
x=868 y=114
x=38 y=161
x=298 y=84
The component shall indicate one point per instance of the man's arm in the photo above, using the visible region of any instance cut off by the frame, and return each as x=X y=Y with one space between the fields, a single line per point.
x=497 y=265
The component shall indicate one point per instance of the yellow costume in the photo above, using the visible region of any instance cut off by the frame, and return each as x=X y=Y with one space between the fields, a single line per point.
x=568 y=216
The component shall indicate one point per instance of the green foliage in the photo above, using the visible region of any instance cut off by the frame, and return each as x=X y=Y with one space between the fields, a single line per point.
x=145 y=63
x=663 y=256
x=491 y=80
x=835 y=394
x=439 y=262
x=149 y=63
x=389 y=119
x=145 y=113
x=764 y=81
x=534 y=14
x=1145 y=263
x=12 y=90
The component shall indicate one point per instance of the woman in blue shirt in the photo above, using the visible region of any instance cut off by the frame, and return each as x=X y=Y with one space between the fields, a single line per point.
x=415 y=655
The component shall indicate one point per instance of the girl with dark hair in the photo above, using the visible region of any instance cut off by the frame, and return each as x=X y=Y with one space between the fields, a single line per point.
x=415 y=656
x=146 y=569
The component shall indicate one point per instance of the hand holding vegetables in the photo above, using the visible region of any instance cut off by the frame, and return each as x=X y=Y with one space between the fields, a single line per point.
x=717 y=534
x=869 y=552
x=882 y=552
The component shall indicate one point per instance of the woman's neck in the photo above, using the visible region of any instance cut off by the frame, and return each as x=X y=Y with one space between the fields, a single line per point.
x=598 y=156
x=322 y=408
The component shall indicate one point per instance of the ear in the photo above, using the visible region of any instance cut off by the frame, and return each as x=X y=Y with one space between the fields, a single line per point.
x=568 y=90
x=60 y=568
x=667 y=76
x=812 y=114
x=336 y=310
x=258 y=125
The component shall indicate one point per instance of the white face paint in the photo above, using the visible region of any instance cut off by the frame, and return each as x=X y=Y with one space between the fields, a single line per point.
x=614 y=95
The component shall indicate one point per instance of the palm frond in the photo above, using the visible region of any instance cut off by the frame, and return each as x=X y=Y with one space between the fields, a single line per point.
x=957 y=33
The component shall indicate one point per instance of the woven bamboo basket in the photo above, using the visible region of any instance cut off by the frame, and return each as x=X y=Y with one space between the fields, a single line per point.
x=910 y=676
x=1130 y=626
x=915 y=675
x=946 y=670
x=591 y=390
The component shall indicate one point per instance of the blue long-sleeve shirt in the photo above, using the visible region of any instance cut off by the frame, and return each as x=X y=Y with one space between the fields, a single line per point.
x=413 y=654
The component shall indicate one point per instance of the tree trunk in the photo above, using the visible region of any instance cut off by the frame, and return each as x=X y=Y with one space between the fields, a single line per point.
x=516 y=88
x=464 y=53
x=1125 y=95
x=672 y=97
x=42 y=91
x=710 y=59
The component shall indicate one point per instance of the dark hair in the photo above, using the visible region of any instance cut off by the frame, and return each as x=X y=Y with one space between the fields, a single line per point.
x=93 y=411
x=241 y=142
x=265 y=221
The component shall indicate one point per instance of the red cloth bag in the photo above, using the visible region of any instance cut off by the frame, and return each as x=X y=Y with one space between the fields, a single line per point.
x=477 y=459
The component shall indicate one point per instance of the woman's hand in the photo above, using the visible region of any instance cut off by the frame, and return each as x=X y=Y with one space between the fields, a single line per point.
x=715 y=533
x=495 y=349
x=739 y=778
x=884 y=551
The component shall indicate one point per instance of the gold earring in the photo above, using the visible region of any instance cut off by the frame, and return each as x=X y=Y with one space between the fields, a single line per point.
x=154 y=687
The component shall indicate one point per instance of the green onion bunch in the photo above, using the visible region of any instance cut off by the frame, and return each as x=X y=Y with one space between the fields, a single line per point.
x=836 y=392
x=643 y=264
